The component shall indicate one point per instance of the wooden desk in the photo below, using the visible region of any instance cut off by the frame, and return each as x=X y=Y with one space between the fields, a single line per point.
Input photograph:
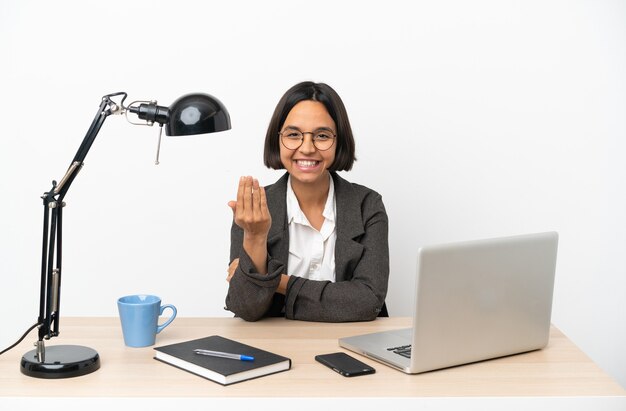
x=561 y=369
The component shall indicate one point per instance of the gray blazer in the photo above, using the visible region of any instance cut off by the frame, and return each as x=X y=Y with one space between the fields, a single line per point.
x=361 y=263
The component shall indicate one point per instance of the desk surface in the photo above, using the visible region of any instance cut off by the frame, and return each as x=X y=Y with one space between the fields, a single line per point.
x=560 y=369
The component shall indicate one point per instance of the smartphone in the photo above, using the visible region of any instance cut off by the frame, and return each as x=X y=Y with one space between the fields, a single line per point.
x=344 y=364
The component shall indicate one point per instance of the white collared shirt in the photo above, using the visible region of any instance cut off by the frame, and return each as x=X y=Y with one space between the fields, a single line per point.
x=311 y=252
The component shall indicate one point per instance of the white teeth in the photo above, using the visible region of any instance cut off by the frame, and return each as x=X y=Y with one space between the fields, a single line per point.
x=307 y=163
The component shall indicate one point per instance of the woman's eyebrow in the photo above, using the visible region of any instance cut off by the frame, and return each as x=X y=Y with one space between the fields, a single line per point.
x=324 y=129
x=293 y=127
x=317 y=129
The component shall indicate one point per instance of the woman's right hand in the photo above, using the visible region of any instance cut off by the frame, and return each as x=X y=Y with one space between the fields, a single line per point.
x=250 y=210
x=252 y=215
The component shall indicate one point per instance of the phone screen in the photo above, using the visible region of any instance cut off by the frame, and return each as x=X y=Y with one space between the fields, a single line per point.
x=344 y=364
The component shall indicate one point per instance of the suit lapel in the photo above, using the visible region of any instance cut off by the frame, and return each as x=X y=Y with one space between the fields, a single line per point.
x=349 y=226
x=278 y=237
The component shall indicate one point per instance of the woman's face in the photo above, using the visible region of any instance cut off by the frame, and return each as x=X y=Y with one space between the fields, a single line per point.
x=307 y=164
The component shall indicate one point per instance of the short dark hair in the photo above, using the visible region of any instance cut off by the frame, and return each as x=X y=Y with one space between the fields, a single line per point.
x=308 y=90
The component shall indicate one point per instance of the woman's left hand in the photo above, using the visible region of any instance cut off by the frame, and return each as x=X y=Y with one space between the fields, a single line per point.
x=232 y=268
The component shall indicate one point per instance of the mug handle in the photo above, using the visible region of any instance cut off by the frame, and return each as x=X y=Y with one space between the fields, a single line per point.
x=169 y=320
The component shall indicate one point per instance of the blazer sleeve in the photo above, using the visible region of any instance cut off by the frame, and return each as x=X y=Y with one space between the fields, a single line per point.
x=250 y=293
x=361 y=296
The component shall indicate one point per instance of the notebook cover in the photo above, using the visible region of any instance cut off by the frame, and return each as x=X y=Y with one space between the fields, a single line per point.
x=223 y=366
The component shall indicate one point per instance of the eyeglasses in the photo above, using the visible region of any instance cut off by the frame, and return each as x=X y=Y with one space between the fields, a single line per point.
x=292 y=139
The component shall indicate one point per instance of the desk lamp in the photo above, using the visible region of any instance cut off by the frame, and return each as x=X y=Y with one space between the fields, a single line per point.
x=190 y=114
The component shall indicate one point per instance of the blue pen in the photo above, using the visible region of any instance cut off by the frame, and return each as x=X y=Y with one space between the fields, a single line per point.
x=223 y=355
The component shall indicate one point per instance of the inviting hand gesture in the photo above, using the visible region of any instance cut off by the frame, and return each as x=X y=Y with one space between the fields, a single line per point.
x=250 y=210
x=252 y=215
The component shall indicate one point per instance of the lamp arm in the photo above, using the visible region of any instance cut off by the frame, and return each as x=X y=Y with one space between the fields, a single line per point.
x=50 y=287
x=107 y=107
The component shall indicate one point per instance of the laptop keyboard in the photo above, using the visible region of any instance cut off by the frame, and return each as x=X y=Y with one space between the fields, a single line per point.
x=403 y=350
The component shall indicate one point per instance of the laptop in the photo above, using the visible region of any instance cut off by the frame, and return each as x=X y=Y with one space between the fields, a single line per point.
x=474 y=300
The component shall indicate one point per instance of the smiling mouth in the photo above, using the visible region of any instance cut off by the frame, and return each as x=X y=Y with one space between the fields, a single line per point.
x=307 y=163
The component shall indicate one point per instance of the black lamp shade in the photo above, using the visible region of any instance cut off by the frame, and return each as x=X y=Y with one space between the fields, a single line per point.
x=197 y=113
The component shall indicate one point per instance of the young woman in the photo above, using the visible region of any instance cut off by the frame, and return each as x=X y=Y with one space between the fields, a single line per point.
x=311 y=246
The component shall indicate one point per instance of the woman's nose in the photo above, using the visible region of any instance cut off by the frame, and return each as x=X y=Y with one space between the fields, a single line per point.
x=307 y=144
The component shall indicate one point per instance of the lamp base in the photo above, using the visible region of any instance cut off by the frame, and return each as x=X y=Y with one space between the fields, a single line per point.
x=61 y=361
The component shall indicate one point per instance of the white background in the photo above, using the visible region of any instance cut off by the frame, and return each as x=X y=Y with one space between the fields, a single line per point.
x=472 y=119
